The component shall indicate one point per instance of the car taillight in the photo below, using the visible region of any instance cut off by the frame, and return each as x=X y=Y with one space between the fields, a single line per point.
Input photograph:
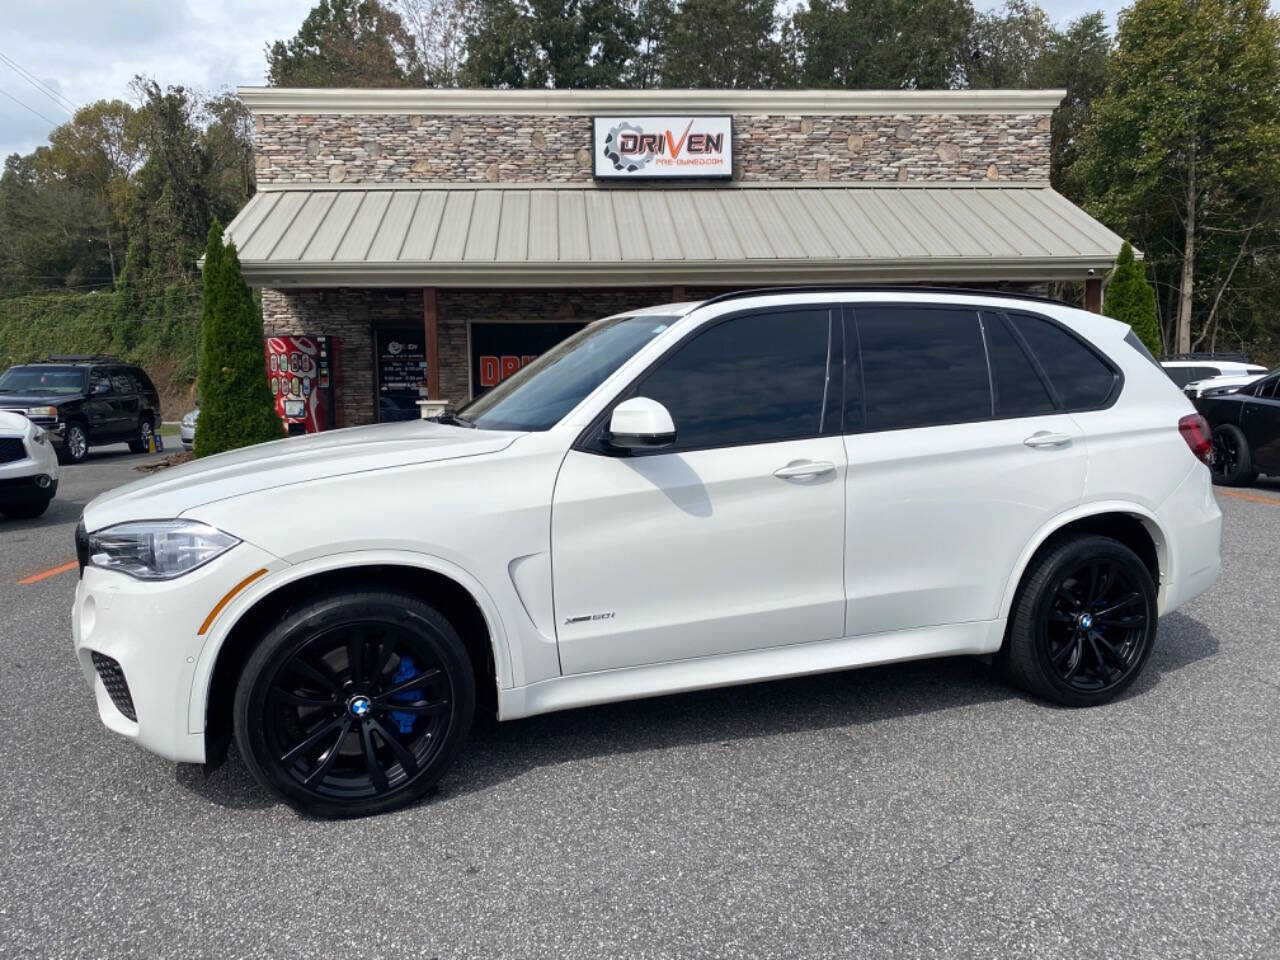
x=1195 y=430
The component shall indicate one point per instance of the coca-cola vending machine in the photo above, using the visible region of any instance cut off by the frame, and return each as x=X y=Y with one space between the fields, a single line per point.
x=303 y=373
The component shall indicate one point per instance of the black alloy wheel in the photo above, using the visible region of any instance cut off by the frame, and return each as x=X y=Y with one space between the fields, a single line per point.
x=75 y=443
x=1231 y=460
x=1083 y=623
x=355 y=704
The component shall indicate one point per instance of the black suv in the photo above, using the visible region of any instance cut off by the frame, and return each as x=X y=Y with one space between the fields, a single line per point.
x=84 y=400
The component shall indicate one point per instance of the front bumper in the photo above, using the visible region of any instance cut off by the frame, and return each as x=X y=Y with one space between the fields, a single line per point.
x=151 y=631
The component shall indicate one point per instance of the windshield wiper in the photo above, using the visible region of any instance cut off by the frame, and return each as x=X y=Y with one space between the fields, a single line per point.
x=451 y=419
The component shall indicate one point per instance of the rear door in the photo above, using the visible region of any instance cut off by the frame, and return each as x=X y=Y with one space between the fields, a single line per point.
x=1260 y=421
x=126 y=402
x=731 y=540
x=958 y=453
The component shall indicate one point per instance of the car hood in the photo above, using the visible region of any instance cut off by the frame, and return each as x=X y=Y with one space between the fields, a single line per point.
x=25 y=400
x=282 y=463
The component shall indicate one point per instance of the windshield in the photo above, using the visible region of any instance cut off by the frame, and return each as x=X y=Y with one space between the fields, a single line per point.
x=43 y=381
x=539 y=395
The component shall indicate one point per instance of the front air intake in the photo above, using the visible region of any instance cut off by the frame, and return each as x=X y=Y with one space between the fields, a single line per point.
x=113 y=679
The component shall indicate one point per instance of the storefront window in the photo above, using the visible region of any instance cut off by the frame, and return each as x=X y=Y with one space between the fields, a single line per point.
x=541 y=393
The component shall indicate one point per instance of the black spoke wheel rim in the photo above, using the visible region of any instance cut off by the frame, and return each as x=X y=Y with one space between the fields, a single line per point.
x=1096 y=626
x=1224 y=457
x=358 y=711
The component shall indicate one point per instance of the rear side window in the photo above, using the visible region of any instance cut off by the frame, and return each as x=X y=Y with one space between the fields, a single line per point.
x=1078 y=375
x=1019 y=391
x=1133 y=340
x=122 y=383
x=761 y=378
x=144 y=382
x=921 y=367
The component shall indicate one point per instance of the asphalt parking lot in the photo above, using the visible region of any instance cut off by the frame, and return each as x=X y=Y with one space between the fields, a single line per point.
x=913 y=810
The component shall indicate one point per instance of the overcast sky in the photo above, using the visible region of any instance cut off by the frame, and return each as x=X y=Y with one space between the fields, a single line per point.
x=88 y=50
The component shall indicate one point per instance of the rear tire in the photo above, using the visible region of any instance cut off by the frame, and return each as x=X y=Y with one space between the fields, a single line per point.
x=143 y=443
x=327 y=713
x=1231 y=461
x=1083 y=622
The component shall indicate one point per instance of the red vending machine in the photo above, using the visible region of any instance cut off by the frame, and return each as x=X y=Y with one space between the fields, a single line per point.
x=303 y=372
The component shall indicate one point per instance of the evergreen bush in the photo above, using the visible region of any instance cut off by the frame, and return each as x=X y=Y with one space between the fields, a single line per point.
x=1130 y=299
x=236 y=406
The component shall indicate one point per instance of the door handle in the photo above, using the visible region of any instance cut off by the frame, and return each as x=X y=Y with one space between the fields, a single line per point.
x=1045 y=439
x=804 y=469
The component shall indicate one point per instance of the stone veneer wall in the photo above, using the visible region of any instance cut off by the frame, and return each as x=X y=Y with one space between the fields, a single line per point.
x=352 y=314
x=412 y=148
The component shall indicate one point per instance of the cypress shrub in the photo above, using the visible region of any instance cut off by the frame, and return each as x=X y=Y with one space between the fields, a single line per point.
x=1131 y=300
x=236 y=406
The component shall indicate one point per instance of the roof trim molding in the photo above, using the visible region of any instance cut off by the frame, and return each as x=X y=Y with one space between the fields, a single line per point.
x=443 y=102
x=662 y=186
x=523 y=275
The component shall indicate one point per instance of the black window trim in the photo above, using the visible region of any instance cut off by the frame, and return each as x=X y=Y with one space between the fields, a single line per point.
x=591 y=439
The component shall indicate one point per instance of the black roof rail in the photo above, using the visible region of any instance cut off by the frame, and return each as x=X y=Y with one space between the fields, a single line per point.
x=82 y=358
x=880 y=288
x=1234 y=357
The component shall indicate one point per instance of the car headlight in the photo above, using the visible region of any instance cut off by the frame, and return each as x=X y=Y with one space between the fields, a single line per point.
x=189 y=420
x=157 y=549
x=42 y=411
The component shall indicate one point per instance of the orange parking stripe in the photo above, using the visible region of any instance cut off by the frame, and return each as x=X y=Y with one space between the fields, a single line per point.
x=1252 y=498
x=213 y=614
x=37 y=577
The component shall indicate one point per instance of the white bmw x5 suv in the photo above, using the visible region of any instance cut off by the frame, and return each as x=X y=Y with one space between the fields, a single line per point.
x=761 y=485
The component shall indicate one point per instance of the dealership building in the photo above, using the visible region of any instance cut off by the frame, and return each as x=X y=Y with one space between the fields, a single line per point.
x=442 y=238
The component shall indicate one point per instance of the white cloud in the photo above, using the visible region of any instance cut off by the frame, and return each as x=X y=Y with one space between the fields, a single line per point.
x=90 y=49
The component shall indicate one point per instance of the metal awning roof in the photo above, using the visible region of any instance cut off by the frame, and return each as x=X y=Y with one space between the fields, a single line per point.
x=523 y=235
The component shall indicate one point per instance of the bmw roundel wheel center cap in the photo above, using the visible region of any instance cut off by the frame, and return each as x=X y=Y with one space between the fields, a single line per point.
x=359 y=707
x=1086 y=621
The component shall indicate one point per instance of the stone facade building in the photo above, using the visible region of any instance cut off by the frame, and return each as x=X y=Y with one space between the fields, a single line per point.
x=475 y=228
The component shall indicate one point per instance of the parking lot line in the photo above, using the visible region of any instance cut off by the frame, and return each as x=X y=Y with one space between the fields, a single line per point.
x=1251 y=497
x=46 y=574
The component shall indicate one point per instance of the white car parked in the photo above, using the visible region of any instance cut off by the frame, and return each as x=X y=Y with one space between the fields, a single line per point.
x=28 y=467
x=761 y=485
x=1201 y=372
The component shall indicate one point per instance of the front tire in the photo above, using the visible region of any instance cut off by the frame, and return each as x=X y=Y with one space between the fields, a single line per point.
x=1231 y=460
x=75 y=444
x=354 y=704
x=1083 y=622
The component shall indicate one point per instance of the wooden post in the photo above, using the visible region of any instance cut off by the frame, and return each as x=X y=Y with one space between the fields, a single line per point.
x=431 y=320
x=1093 y=294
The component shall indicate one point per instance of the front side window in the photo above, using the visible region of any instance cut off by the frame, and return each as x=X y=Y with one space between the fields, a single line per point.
x=1082 y=380
x=760 y=378
x=540 y=394
x=921 y=367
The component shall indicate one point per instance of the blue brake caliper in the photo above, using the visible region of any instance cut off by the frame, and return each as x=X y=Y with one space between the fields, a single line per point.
x=405 y=671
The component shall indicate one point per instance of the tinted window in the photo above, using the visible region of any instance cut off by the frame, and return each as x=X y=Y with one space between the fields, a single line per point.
x=1133 y=340
x=43 y=381
x=1079 y=376
x=1184 y=375
x=756 y=379
x=1019 y=391
x=99 y=382
x=922 y=367
x=144 y=382
x=122 y=383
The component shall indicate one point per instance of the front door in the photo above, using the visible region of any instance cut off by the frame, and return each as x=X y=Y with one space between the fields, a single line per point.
x=958 y=454
x=1260 y=421
x=732 y=539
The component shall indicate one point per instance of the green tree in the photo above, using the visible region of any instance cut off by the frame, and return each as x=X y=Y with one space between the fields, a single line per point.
x=565 y=44
x=1131 y=300
x=1182 y=151
x=724 y=44
x=346 y=43
x=1076 y=61
x=1009 y=46
x=236 y=407
x=880 y=44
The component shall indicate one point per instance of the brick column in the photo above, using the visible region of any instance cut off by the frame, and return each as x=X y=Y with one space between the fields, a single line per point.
x=1093 y=294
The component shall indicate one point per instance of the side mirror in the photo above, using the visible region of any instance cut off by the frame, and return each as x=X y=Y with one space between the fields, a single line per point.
x=640 y=424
